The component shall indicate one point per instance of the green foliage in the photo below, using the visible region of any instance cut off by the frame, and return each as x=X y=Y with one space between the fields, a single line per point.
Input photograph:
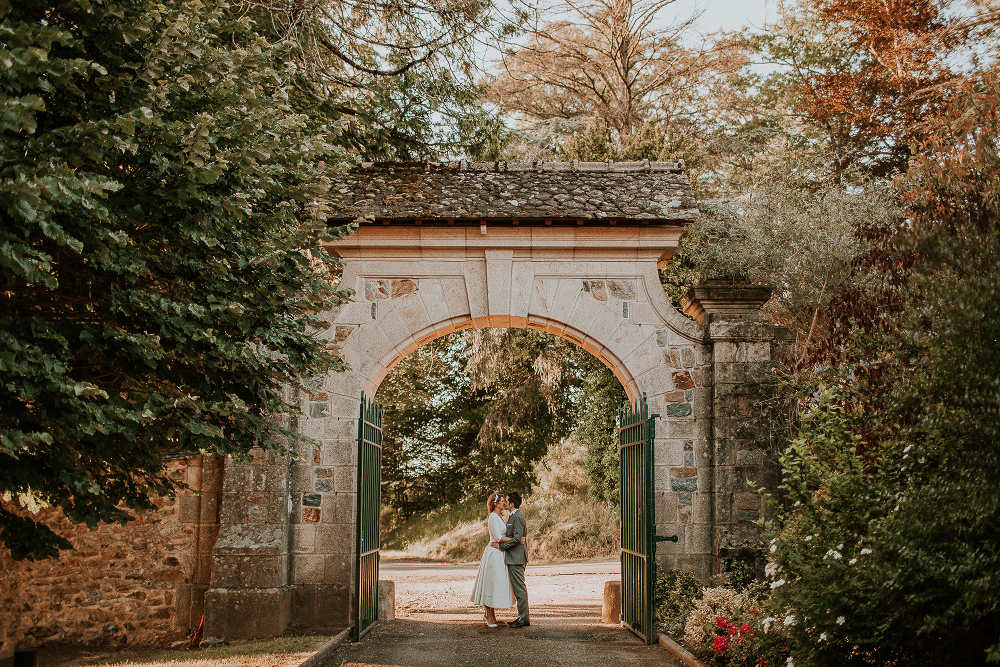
x=676 y=592
x=890 y=545
x=162 y=208
x=431 y=420
x=396 y=80
x=886 y=545
x=603 y=395
x=471 y=413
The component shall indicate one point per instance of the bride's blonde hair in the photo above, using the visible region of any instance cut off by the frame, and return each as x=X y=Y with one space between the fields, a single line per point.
x=491 y=501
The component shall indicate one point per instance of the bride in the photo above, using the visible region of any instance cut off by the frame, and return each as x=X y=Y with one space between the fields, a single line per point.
x=492 y=588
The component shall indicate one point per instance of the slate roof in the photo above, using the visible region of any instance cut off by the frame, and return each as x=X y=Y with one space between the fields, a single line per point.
x=528 y=192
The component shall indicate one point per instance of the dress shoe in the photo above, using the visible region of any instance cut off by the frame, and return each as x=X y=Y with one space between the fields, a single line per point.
x=518 y=624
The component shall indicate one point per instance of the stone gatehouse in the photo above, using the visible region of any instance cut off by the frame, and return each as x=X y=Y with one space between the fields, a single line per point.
x=569 y=248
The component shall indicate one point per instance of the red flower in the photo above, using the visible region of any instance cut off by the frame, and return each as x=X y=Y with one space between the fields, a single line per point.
x=739 y=639
x=720 y=644
x=762 y=662
x=746 y=629
x=754 y=611
x=721 y=622
x=732 y=629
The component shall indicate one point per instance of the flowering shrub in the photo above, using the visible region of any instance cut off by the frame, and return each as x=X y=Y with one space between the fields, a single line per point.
x=676 y=592
x=729 y=627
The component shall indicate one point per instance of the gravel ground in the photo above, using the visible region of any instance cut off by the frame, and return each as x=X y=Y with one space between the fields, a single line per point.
x=436 y=625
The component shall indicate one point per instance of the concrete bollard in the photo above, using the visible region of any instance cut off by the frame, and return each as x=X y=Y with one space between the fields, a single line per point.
x=611 y=608
x=386 y=600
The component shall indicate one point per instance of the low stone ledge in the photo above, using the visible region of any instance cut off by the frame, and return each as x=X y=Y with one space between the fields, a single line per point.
x=679 y=652
x=327 y=649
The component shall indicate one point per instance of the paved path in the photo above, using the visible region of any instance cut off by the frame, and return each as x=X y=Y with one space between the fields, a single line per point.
x=436 y=625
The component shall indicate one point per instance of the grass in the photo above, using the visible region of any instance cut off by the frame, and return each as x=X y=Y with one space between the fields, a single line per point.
x=560 y=527
x=564 y=521
x=264 y=653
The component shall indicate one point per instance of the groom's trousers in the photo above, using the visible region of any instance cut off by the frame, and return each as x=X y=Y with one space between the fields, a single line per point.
x=516 y=573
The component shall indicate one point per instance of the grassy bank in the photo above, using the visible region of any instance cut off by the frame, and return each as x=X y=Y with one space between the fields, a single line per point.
x=280 y=652
x=560 y=527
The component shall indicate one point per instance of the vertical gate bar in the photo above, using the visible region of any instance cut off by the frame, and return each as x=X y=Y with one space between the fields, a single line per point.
x=650 y=503
x=356 y=597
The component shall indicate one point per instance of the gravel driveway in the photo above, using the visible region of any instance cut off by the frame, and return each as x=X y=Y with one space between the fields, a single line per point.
x=436 y=625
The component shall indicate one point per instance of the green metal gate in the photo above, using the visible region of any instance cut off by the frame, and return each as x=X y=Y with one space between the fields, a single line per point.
x=368 y=541
x=636 y=429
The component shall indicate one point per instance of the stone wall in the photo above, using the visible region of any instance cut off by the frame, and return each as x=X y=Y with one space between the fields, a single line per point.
x=744 y=352
x=142 y=583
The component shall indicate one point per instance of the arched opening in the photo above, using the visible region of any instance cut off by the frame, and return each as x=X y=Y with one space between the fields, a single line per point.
x=433 y=506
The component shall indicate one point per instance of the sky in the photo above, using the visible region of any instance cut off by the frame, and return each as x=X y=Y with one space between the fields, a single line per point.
x=725 y=14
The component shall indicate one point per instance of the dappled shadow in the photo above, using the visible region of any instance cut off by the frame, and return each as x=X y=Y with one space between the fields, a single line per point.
x=556 y=640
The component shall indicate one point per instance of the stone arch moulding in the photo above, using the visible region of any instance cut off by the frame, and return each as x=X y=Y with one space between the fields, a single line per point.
x=441 y=329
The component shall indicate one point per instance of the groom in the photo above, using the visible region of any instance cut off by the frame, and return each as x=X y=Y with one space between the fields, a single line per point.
x=516 y=557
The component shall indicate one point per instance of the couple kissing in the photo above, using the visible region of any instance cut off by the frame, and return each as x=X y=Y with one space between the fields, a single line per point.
x=500 y=579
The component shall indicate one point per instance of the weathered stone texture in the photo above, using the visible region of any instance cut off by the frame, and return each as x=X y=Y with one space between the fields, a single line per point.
x=658 y=191
x=143 y=583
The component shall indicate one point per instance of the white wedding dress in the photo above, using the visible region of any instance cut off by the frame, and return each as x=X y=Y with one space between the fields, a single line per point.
x=492 y=583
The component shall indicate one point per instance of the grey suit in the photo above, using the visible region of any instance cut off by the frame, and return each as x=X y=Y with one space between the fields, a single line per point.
x=516 y=557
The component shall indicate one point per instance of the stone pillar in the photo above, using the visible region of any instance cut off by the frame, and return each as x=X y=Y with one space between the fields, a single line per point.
x=744 y=348
x=322 y=506
x=199 y=506
x=249 y=596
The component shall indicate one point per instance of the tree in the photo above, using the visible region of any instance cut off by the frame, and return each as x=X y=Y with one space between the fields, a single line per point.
x=398 y=77
x=163 y=210
x=431 y=419
x=473 y=412
x=864 y=73
x=609 y=62
x=886 y=545
x=602 y=395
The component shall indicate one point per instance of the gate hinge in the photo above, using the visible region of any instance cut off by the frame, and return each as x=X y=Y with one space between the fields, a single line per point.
x=662 y=538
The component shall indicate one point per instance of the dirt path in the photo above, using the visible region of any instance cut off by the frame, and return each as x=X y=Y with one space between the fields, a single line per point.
x=436 y=624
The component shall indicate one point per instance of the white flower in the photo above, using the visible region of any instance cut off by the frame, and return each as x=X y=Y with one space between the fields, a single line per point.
x=779 y=582
x=796 y=503
x=907 y=448
x=835 y=555
x=852 y=561
x=789 y=663
x=807 y=538
x=865 y=551
x=790 y=619
x=766 y=623
x=771 y=569
x=840 y=546
x=774 y=547
x=840 y=620
x=822 y=636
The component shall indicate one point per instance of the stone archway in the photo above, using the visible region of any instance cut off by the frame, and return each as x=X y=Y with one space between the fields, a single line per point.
x=572 y=249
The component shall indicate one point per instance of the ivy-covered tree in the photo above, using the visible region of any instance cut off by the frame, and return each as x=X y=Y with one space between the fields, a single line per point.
x=162 y=208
